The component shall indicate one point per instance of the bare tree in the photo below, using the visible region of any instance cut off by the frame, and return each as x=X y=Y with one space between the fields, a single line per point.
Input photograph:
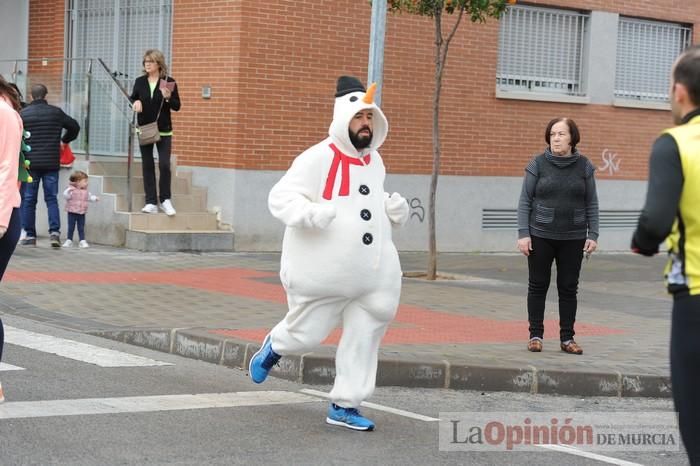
x=477 y=11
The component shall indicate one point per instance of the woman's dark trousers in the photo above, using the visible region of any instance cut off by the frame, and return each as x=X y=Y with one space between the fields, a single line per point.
x=149 y=170
x=7 y=246
x=567 y=254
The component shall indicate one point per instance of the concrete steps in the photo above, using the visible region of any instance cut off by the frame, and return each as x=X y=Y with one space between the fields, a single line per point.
x=193 y=228
x=117 y=185
x=195 y=202
x=163 y=241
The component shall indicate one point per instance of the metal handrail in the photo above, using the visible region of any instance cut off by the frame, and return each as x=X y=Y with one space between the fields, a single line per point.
x=16 y=73
x=132 y=128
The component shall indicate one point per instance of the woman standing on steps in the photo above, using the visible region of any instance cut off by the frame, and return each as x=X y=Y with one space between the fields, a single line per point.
x=154 y=95
x=10 y=145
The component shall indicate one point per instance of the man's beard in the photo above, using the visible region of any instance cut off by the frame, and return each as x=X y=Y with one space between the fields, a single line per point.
x=361 y=142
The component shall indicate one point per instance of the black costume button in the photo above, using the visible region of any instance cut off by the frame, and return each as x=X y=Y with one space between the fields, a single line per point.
x=364 y=189
x=365 y=214
x=367 y=238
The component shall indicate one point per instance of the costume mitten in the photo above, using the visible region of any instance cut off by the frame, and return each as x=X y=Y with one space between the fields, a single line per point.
x=396 y=208
x=322 y=215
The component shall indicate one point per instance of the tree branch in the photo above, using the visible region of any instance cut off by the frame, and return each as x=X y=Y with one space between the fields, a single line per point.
x=456 y=25
x=451 y=35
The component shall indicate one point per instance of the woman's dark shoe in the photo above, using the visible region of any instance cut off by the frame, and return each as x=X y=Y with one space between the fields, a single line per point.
x=534 y=345
x=571 y=347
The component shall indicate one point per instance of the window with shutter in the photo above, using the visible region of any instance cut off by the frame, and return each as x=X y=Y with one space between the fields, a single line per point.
x=646 y=51
x=541 y=50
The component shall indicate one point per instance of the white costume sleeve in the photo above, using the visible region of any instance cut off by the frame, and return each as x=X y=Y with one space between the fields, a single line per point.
x=293 y=198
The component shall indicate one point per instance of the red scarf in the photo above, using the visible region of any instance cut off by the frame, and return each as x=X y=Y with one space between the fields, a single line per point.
x=345 y=174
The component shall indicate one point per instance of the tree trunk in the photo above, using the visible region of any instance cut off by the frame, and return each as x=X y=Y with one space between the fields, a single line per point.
x=441 y=48
x=432 y=241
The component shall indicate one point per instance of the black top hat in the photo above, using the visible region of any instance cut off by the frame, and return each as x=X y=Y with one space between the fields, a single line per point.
x=348 y=84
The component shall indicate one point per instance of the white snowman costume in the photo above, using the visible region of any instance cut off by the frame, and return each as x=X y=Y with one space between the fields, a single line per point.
x=339 y=264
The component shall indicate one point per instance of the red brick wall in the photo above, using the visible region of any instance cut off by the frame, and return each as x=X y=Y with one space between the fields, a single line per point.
x=206 y=51
x=273 y=65
x=292 y=52
x=287 y=56
x=670 y=10
x=482 y=135
x=46 y=40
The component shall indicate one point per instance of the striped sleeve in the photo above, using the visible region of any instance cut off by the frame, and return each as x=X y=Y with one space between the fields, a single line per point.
x=532 y=167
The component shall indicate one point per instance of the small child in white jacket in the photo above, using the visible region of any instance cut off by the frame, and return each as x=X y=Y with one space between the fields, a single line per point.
x=77 y=198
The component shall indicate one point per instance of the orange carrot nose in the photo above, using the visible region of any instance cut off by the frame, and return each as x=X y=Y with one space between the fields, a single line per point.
x=369 y=95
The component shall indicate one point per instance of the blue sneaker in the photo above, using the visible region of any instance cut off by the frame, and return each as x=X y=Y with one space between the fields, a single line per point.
x=348 y=417
x=262 y=361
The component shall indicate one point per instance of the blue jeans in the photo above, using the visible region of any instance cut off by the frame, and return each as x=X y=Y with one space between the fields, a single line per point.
x=49 y=179
x=73 y=220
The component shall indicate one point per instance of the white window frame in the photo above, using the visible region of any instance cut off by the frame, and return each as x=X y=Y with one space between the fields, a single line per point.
x=646 y=50
x=549 y=71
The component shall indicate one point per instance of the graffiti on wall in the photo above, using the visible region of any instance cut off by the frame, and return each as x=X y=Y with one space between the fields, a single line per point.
x=611 y=162
x=417 y=209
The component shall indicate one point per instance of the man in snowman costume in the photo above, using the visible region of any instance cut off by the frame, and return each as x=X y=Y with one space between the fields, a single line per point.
x=339 y=264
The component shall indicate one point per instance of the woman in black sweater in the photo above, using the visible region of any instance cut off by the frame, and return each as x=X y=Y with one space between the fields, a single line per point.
x=557 y=222
x=154 y=95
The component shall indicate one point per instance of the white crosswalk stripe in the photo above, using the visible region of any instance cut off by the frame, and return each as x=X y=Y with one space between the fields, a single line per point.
x=141 y=404
x=388 y=409
x=9 y=367
x=78 y=351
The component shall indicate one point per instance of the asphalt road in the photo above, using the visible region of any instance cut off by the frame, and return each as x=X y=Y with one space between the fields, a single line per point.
x=65 y=411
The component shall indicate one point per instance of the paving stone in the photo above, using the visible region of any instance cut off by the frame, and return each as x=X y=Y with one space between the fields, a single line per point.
x=476 y=321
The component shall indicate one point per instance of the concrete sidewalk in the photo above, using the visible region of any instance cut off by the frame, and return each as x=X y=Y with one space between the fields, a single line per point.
x=465 y=332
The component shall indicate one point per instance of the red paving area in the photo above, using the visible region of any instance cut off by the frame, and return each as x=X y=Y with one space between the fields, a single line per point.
x=424 y=326
x=412 y=325
x=235 y=282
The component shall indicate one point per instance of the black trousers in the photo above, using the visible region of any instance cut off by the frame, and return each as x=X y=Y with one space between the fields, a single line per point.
x=685 y=371
x=7 y=246
x=568 y=255
x=9 y=241
x=149 y=170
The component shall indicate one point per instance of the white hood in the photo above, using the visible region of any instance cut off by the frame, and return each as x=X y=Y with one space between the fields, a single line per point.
x=346 y=107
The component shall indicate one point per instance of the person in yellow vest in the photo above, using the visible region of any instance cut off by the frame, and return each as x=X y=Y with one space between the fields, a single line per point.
x=671 y=212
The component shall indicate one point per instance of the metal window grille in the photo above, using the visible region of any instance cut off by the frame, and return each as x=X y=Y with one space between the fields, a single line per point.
x=646 y=51
x=119 y=32
x=541 y=50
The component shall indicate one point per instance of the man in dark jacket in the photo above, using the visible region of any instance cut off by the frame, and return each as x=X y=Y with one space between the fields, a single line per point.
x=671 y=213
x=46 y=124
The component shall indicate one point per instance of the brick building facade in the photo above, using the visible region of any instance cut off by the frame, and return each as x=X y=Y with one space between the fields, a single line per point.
x=271 y=67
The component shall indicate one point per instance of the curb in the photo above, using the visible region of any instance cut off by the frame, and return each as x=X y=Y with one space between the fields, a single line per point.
x=318 y=368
